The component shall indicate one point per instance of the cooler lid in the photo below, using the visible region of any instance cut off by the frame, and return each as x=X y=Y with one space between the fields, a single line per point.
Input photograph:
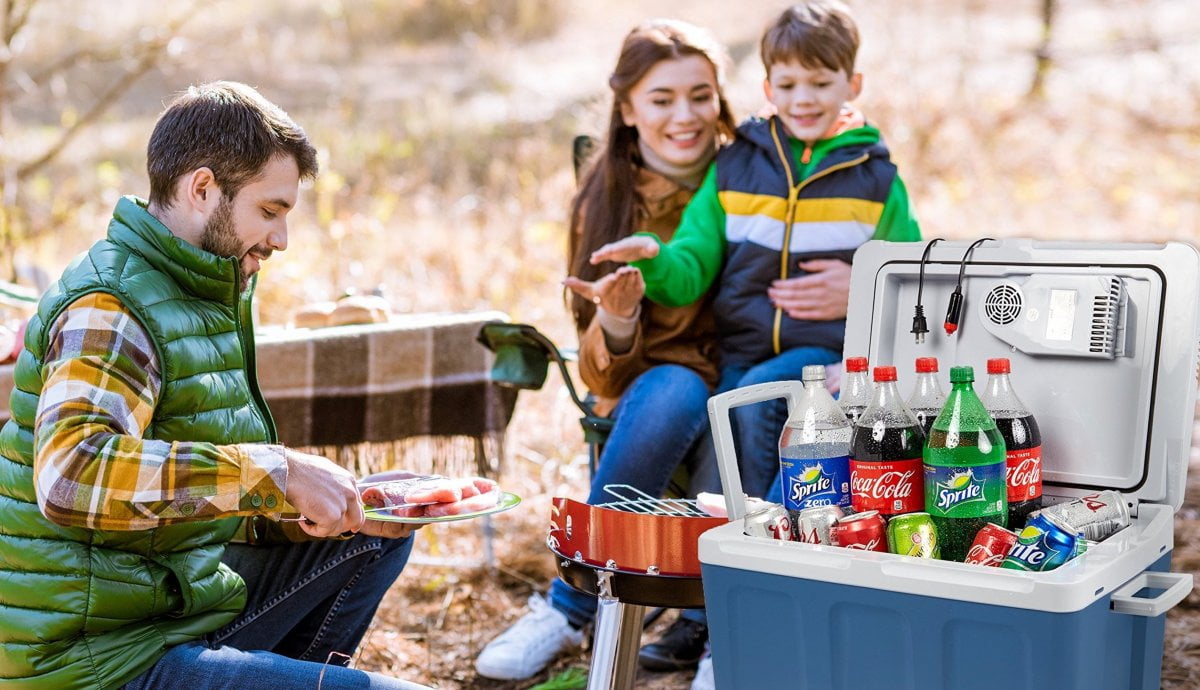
x=1102 y=339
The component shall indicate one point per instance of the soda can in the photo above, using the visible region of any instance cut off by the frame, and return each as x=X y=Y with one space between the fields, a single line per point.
x=863 y=531
x=1097 y=515
x=772 y=522
x=813 y=525
x=913 y=534
x=1044 y=544
x=991 y=545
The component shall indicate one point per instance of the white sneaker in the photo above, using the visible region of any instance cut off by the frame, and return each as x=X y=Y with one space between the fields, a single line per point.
x=529 y=644
x=704 y=680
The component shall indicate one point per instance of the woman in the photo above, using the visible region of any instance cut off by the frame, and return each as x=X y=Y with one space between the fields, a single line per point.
x=652 y=367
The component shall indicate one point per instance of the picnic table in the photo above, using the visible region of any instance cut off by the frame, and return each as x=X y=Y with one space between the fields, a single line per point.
x=414 y=392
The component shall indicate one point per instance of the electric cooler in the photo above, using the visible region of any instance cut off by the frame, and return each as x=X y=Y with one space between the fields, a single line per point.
x=1103 y=344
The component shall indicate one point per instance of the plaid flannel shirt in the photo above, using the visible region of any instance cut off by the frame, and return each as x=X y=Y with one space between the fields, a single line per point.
x=93 y=468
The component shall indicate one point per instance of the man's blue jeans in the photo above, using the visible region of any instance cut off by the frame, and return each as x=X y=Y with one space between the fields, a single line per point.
x=307 y=604
x=658 y=421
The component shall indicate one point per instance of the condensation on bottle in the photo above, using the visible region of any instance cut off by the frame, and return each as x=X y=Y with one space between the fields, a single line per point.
x=814 y=449
x=856 y=388
x=927 y=398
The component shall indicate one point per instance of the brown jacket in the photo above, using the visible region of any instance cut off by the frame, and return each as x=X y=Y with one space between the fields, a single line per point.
x=666 y=335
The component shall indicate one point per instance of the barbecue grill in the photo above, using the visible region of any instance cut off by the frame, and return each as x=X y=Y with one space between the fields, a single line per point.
x=632 y=552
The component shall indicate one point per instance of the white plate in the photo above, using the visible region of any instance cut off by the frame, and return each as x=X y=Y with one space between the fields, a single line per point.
x=507 y=502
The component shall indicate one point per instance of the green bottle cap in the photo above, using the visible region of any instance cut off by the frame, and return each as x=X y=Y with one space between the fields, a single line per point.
x=962 y=374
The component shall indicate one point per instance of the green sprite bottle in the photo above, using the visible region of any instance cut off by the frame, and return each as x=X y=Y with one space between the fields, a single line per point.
x=965 y=462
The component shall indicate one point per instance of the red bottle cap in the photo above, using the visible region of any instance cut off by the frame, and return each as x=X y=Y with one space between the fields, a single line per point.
x=854 y=364
x=999 y=365
x=926 y=364
x=883 y=374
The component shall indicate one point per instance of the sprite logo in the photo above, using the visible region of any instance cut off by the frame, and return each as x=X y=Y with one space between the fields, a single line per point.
x=960 y=488
x=811 y=482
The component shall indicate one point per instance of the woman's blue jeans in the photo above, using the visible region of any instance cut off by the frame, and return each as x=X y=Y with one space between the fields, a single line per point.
x=308 y=606
x=658 y=422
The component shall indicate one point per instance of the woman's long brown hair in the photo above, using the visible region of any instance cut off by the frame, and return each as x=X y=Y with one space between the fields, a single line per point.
x=605 y=208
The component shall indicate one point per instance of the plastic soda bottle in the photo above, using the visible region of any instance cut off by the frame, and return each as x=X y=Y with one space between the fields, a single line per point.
x=964 y=468
x=856 y=388
x=814 y=449
x=928 y=398
x=885 y=453
x=1022 y=440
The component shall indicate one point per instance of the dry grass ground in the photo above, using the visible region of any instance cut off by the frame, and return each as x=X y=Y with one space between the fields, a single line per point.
x=444 y=130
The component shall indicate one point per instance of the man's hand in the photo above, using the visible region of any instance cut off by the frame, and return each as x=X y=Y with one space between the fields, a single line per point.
x=629 y=249
x=619 y=293
x=822 y=295
x=388 y=530
x=324 y=493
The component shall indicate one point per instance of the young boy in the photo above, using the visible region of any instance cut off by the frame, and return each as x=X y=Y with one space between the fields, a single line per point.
x=793 y=194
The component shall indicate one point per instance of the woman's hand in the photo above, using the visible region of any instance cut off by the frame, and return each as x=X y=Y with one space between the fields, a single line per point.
x=625 y=250
x=822 y=295
x=619 y=293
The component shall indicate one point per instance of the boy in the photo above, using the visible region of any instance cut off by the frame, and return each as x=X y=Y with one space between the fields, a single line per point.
x=794 y=194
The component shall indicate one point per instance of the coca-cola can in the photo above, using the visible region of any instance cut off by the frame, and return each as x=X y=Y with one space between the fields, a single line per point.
x=812 y=525
x=1097 y=515
x=991 y=545
x=864 y=531
x=772 y=522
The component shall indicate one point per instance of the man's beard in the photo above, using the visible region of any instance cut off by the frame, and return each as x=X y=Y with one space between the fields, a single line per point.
x=220 y=238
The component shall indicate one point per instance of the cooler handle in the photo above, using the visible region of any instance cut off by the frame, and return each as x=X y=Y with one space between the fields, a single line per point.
x=1175 y=587
x=722 y=431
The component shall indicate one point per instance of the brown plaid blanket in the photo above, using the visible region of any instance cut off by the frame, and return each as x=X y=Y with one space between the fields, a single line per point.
x=371 y=393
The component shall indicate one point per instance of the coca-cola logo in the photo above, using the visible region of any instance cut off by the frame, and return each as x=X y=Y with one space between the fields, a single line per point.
x=1028 y=473
x=887 y=485
x=809 y=537
x=1094 y=503
x=872 y=545
x=980 y=554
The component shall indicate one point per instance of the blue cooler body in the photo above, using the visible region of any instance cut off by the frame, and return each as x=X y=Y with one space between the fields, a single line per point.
x=1107 y=363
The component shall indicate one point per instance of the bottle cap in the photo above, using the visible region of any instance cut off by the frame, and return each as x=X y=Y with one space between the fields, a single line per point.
x=884 y=374
x=926 y=364
x=999 y=365
x=813 y=372
x=854 y=364
x=962 y=374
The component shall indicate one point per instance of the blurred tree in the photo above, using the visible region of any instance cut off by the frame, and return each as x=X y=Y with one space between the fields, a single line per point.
x=1042 y=55
x=133 y=55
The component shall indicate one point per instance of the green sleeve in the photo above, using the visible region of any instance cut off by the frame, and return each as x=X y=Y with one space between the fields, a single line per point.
x=897 y=223
x=687 y=265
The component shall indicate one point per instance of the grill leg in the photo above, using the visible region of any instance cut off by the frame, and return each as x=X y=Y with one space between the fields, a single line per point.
x=615 y=643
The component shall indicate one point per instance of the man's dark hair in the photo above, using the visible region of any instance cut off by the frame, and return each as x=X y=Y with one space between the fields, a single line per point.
x=817 y=33
x=227 y=127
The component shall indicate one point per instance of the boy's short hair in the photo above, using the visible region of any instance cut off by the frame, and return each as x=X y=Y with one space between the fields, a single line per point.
x=227 y=127
x=818 y=33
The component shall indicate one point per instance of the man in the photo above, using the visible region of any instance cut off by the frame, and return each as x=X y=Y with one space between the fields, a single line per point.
x=139 y=445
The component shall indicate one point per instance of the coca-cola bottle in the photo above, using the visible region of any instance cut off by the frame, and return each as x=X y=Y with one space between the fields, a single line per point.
x=964 y=469
x=855 y=394
x=927 y=398
x=1022 y=439
x=885 y=453
x=814 y=449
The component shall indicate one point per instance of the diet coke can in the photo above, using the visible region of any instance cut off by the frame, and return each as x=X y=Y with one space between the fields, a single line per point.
x=864 y=531
x=772 y=522
x=1097 y=515
x=812 y=525
x=991 y=545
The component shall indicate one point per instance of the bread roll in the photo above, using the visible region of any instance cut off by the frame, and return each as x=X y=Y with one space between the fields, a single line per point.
x=313 y=315
x=360 y=309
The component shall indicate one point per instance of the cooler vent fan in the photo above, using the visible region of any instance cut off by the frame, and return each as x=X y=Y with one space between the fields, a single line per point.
x=1003 y=304
x=1106 y=323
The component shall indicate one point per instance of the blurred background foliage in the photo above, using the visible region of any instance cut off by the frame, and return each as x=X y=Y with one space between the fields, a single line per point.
x=444 y=126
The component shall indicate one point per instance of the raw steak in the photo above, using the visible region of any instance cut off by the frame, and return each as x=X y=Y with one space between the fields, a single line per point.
x=449 y=496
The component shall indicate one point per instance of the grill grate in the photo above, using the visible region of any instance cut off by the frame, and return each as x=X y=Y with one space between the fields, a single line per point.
x=633 y=500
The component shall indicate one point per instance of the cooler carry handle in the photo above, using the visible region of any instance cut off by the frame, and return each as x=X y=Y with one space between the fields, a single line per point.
x=722 y=431
x=1175 y=587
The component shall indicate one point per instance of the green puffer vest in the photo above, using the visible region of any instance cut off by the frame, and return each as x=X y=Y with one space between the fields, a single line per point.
x=83 y=608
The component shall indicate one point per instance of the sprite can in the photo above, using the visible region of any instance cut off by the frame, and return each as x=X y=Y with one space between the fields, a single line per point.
x=1044 y=544
x=913 y=534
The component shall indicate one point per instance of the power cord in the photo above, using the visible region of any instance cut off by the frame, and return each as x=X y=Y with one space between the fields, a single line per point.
x=920 y=327
x=954 y=310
